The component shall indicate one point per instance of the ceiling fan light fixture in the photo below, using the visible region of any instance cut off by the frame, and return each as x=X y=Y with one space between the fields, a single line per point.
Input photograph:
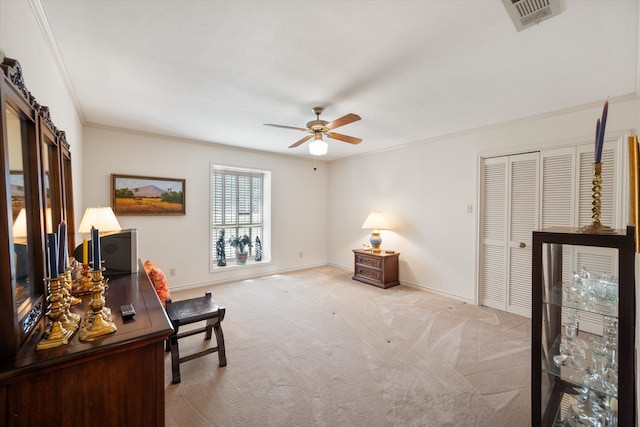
x=315 y=129
x=318 y=147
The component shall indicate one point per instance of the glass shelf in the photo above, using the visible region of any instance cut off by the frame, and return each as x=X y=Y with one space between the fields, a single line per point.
x=599 y=309
x=572 y=376
x=578 y=404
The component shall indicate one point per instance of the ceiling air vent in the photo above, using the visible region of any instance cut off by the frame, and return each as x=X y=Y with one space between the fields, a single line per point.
x=525 y=13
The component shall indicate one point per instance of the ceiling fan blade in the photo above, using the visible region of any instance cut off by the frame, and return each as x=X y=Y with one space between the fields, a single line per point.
x=345 y=138
x=285 y=127
x=306 y=138
x=344 y=120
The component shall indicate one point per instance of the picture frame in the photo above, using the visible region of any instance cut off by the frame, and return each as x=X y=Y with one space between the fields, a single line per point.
x=147 y=195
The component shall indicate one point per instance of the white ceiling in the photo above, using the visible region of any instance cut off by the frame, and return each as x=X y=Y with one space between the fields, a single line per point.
x=216 y=71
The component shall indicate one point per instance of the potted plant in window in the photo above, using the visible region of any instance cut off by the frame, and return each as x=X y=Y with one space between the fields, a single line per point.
x=240 y=243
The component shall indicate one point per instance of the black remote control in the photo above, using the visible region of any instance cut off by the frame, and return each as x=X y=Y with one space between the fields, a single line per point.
x=127 y=311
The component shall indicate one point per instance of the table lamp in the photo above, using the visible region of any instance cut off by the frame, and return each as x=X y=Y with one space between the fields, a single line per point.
x=376 y=222
x=102 y=219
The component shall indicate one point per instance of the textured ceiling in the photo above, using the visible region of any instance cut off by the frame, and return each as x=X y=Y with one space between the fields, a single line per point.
x=215 y=71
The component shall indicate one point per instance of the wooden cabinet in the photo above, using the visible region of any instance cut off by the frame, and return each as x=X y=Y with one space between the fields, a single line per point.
x=117 y=380
x=378 y=269
x=575 y=372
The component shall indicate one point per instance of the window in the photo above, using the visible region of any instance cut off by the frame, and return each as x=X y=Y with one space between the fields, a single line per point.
x=239 y=205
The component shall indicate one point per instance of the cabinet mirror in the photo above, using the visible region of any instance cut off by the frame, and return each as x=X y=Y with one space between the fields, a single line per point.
x=33 y=186
x=23 y=263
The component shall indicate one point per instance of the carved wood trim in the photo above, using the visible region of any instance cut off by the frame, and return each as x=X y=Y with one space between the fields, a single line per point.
x=13 y=71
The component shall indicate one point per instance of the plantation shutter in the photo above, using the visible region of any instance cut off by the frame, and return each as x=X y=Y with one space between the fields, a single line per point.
x=237 y=199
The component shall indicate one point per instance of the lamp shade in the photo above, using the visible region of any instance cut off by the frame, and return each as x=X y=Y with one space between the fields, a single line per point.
x=20 y=226
x=102 y=219
x=375 y=221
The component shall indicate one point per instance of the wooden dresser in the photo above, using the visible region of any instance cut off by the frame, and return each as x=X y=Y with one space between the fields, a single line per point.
x=117 y=380
x=378 y=269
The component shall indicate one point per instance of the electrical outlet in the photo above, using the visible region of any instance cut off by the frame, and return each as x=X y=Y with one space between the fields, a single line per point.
x=301 y=254
x=469 y=208
x=172 y=271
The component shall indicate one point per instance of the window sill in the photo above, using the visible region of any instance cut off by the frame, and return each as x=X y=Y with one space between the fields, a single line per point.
x=231 y=264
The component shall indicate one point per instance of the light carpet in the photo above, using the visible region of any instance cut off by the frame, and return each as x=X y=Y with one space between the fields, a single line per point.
x=316 y=348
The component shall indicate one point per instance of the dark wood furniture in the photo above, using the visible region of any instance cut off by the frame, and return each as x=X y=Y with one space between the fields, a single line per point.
x=553 y=387
x=116 y=381
x=35 y=196
x=190 y=311
x=378 y=269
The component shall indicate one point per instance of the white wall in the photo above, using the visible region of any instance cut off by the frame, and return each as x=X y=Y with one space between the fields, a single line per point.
x=424 y=190
x=299 y=200
x=23 y=39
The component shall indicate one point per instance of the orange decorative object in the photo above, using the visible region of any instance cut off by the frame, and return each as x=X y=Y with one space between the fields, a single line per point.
x=159 y=281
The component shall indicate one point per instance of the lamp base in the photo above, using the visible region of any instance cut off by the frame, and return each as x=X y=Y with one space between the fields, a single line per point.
x=376 y=241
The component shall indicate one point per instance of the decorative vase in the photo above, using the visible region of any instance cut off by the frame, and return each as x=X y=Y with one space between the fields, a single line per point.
x=241 y=257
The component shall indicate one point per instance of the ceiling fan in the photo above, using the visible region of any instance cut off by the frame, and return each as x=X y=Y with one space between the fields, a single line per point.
x=316 y=128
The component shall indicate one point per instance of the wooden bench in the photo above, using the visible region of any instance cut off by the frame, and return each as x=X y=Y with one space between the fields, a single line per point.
x=190 y=311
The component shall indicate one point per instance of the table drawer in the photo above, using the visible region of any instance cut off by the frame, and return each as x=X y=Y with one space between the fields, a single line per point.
x=369 y=273
x=368 y=261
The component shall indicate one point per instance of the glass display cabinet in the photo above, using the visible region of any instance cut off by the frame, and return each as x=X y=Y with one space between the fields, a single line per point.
x=583 y=328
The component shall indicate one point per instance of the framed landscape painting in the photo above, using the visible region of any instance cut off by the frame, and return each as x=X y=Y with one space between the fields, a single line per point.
x=144 y=195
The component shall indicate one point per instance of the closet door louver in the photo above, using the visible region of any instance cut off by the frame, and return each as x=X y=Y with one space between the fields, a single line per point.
x=558 y=177
x=493 y=233
x=510 y=198
x=558 y=187
x=523 y=219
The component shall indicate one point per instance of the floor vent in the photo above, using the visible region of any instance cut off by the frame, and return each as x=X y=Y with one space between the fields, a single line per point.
x=525 y=13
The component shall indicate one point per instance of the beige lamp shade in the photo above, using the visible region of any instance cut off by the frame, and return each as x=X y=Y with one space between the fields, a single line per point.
x=375 y=221
x=102 y=219
x=20 y=225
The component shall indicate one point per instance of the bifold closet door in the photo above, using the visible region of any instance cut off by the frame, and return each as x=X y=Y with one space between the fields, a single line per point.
x=509 y=192
x=556 y=184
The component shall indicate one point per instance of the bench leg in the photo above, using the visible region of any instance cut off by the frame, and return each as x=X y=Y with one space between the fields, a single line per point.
x=210 y=322
x=175 y=359
x=222 y=356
